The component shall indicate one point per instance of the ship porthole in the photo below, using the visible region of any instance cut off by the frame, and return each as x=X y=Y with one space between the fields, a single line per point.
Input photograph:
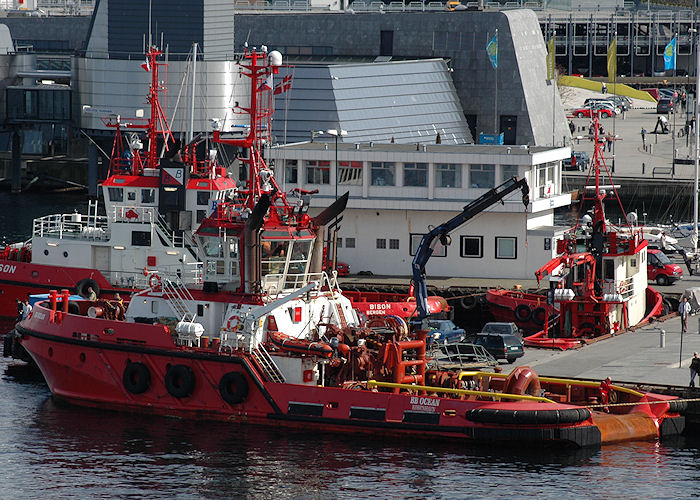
x=46 y=252
x=65 y=254
x=233 y=388
x=136 y=378
x=179 y=381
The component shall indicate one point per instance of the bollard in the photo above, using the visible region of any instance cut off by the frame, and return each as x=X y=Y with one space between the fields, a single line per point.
x=662 y=338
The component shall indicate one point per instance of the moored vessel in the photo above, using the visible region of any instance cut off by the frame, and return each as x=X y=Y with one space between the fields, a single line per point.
x=270 y=339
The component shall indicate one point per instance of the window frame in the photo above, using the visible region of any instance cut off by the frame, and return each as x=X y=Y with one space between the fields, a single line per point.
x=497 y=247
x=463 y=239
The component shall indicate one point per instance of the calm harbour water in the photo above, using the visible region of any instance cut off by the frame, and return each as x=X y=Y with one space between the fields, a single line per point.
x=56 y=451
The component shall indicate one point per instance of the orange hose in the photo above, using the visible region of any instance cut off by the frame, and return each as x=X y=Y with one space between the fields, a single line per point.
x=614 y=428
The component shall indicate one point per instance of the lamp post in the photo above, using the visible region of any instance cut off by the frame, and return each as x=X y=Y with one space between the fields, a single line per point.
x=336 y=133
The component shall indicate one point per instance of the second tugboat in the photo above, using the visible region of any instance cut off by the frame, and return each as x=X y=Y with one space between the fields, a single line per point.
x=270 y=339
x=598 y=282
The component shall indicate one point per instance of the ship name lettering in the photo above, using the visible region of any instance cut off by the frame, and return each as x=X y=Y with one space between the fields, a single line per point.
x=7 y=268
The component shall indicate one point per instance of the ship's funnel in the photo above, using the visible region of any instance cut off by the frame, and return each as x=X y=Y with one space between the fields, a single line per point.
x=332 y=211
x=257 y=216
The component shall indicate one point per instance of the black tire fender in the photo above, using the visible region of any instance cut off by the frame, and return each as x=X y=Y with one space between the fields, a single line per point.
x=136 y=378
x=179 y=381
x=539 y=316
x=82 y=286
x=522 y=313
x=233 y=388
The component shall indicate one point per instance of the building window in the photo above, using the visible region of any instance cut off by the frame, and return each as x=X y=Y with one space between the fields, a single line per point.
x=393 y=244
x=471 y=247
x=509 y=171
x=381 y=243
x=383 y=173
x=291 y=171
x=350 y=173
x=415 y=174
x=440 y=250
x=448 y=175
x=318 y=172
x=482 y=176
x=506 y=247
x=349 y=242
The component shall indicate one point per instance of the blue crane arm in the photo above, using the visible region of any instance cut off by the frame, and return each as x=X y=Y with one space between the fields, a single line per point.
x=441 y=233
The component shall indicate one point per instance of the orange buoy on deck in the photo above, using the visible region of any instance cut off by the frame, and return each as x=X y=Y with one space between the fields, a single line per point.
x=631 y=426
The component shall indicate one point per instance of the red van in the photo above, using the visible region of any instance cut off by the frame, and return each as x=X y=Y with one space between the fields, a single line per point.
x=661 y=269
x=654 y=92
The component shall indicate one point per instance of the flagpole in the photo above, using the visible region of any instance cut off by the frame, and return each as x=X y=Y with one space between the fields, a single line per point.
x=495 y=104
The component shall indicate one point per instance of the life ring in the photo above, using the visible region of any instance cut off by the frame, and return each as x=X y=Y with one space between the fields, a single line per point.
x=154 y=281
x=523 y=313
x=233 y=388
x=81 y=287
x=523 y=380
x=179 y=381
x=469 y=302
x=539 y=316
x=233 y=323
x=136 y=378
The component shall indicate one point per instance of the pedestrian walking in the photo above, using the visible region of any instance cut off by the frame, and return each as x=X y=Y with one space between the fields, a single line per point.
x=644 y=137
x=684 y=311
x=694 y=368
x=609 y=139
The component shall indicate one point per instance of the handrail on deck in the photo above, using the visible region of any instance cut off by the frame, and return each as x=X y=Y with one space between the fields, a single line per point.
x=465 y=392
x=552 y=380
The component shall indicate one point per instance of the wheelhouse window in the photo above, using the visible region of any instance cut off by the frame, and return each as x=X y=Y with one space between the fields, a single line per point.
x=383 y=173
x=415 y=174
x=148 y=196
x=318 y=172
x=439 y=250
x=299 y=260
x=471 y=247
x=203 y=197
x=506 y=247
x=448 y=175
x=274 y=256
x=141 y=238
x=350 y=173
x=115 y=194
x=482 y=176
x=291 y=171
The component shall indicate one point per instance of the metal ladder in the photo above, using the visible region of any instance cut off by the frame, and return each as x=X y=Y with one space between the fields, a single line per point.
x=268 y=365
x=177 y=294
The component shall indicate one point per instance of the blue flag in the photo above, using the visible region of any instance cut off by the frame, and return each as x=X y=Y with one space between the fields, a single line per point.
x=670 y=55
x=492 y=50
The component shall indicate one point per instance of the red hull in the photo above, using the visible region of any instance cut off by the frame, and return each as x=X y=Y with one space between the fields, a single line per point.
x=527 y=310
x=93 y=362
x=539 y=339
x=21 y=279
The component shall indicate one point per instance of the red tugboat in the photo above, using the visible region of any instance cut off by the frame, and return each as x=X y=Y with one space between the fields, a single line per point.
x=270 y=339
x=598 y=282
x=152 y=206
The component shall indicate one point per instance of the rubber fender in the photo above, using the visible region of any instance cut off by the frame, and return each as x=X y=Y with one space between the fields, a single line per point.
x=179 y=381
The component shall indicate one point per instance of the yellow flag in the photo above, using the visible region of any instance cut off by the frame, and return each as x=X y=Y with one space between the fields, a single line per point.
x=612 y=61
x=551 y=50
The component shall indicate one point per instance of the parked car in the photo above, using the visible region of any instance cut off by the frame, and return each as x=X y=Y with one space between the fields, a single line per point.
x=661 y=269
x=669 y=93
x=508 y=347
x=609 y=101
x=444 y=331
x=602 y=111
x=622 y=102
x=665 y=105
x=578 y=161
x=502 y=328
